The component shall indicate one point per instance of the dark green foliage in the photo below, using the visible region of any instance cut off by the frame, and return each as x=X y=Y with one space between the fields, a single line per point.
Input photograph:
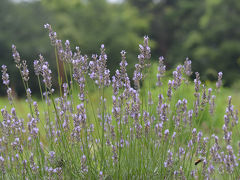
x=205 y=31
x=21 y=24
x=87 y=24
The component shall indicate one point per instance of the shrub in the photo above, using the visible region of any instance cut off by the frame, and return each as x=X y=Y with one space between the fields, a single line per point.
x=105 y=128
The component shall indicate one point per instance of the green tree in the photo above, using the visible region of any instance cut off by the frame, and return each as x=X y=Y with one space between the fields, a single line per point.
x=214 y=45
x=22 y=24
x=88 y=24
x=206 y=31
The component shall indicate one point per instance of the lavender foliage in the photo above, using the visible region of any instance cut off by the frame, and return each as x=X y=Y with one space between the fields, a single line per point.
x=117 y=131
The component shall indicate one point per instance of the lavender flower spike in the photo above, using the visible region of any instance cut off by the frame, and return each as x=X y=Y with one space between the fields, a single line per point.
x=219 y=82
x=161 y=71
x=52 y=34
x=187 y=67
x=5 y=76
x=16 y=55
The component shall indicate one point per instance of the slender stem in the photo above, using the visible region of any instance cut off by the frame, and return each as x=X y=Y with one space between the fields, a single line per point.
x=59 y=77
x=103 y=129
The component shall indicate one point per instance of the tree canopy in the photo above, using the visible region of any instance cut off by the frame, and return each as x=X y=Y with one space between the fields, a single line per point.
x=207 y=32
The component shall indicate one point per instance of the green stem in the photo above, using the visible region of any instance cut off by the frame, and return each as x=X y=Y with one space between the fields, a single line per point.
x=102 y=158
x=59 y=78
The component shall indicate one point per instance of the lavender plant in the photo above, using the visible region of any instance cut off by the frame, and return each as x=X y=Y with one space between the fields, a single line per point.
x=113 y=132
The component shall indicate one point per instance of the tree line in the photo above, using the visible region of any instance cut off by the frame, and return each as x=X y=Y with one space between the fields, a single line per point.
x=207 y=32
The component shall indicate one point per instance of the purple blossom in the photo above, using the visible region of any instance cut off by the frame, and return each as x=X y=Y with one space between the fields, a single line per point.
x=37 y=67
x=123 y=69
x=169 y=162
x=5 y=76
x=98 y=70
x=3 y=170
x=80 y=68
x=212 y=104
x=25 y=72
x=84 y=166
x=219 y=82
x=197 y=82
x=46 y=74
x=16 y=56
x=169 y=92
x=187 y=67
x=181 y=152
x=196 y=103
x=204 y=97
x=160 y=102
x=161 y=71
x=143 y=57
x=145 y=52
x=209 y=95
x=166 y=133
x=115 y=156
x=163 y=114
x=52 y=34
x=9 y=93
x=137 y=76
x=177 y=75
x=79 y=122
x=190 y=116
x=29 y=92
x=60 y=51
x=68 y=52
x=173 y=138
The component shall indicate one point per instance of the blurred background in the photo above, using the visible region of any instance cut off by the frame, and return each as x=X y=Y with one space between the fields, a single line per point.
x=206 y=31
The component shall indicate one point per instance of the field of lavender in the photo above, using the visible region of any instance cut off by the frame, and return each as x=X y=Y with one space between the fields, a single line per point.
x=160 y=125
